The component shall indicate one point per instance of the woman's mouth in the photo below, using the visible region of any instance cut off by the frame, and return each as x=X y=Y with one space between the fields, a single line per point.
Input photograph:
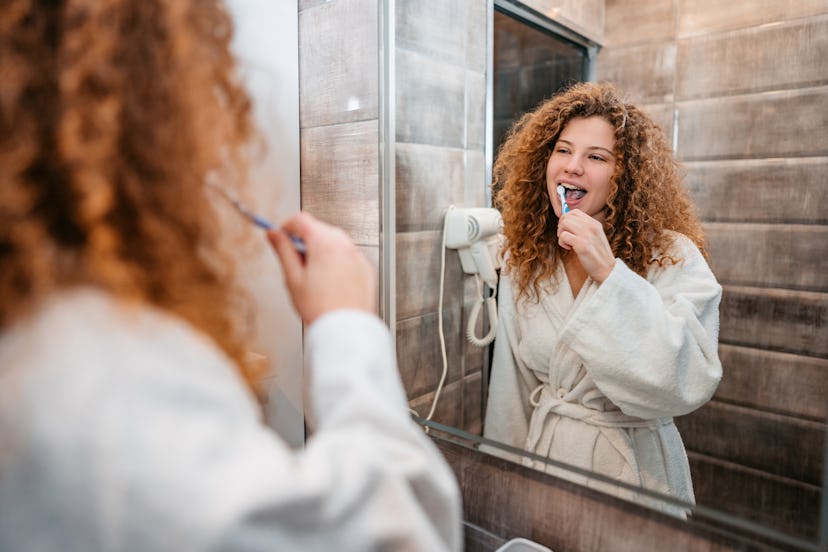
x=573 y=193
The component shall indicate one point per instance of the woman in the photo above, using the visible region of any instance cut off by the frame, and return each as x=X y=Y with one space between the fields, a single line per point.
x=608 y=311
x=127 y=416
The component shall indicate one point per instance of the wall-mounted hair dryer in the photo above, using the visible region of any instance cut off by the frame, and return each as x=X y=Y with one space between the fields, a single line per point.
x=475 y=234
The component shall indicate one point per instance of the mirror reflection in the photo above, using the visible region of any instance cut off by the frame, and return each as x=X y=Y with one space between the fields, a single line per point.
x=608 y=312
x=740 y=97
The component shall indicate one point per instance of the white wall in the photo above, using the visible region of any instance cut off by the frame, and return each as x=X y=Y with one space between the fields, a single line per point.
x=267 y=46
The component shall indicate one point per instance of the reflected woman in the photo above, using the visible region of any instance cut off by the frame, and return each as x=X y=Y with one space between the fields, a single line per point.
x=608 y=309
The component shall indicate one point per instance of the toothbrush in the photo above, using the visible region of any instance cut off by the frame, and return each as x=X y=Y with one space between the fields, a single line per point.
x=259 y=221
x=562 y=193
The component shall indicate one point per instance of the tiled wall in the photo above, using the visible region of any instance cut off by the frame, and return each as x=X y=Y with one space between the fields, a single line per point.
x=440 y=99
x=339 y=114
x=440 y=60
x=742 y=90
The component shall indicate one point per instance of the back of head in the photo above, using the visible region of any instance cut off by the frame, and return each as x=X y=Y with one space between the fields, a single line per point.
x=112 y=114
x=646 y=193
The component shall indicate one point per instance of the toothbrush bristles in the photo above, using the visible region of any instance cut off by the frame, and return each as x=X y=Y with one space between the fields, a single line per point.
x=562 y=194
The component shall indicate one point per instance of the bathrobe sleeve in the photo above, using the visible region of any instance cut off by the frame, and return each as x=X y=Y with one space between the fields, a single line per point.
x=152 y=442
x=508 y=409
x=651 y=345
x=369 y=478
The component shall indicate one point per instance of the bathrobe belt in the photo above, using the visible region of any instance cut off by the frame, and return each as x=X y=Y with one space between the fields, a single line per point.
x=547 y=400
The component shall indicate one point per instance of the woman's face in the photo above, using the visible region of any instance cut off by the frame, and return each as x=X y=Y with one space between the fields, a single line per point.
x=583 y=162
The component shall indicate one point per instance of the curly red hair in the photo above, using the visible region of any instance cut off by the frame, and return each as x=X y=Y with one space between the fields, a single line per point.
x=646 y=195
x=112 y=115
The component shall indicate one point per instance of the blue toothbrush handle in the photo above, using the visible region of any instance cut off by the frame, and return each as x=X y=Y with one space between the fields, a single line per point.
x=259 y=221
x=298 y=244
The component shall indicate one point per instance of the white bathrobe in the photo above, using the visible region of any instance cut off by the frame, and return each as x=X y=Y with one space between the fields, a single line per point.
x=595 y=380
x=124 y=429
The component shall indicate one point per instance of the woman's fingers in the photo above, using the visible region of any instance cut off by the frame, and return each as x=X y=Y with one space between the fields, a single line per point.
x=290 y=259
x=333 y=273
x=300 y=225
x=581 y=233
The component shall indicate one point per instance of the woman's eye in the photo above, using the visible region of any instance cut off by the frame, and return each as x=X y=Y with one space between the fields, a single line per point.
x=597 y=158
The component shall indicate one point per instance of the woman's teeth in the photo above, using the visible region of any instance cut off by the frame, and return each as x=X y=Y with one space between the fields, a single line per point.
x=573 y=194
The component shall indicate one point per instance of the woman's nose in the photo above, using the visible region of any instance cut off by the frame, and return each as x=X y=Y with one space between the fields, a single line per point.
x=574 y=165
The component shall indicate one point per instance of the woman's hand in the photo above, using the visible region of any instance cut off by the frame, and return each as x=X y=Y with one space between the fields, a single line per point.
x=333 y=274
x=579 y=232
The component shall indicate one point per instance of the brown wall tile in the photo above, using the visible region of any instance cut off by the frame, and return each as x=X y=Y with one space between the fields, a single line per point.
x=775 y=319
x=706 y=16
x=771 y=124
x=458 y=404
x=761 y=58
x=338 y=69
x=763 y=190
x=339 y=166
x=767 y=380
x=785 y=506
x=644 y=72
x=728 y=432
x=449 y=409
x=418 y=273
x=662 y=114
x=649 y=21
x=430 y=98
x=418 y=350
x=774 y=255
x=429 y=179
x=430 y=27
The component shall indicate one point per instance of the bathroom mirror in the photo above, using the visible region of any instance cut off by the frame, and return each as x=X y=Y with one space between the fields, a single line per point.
x=741 y=93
